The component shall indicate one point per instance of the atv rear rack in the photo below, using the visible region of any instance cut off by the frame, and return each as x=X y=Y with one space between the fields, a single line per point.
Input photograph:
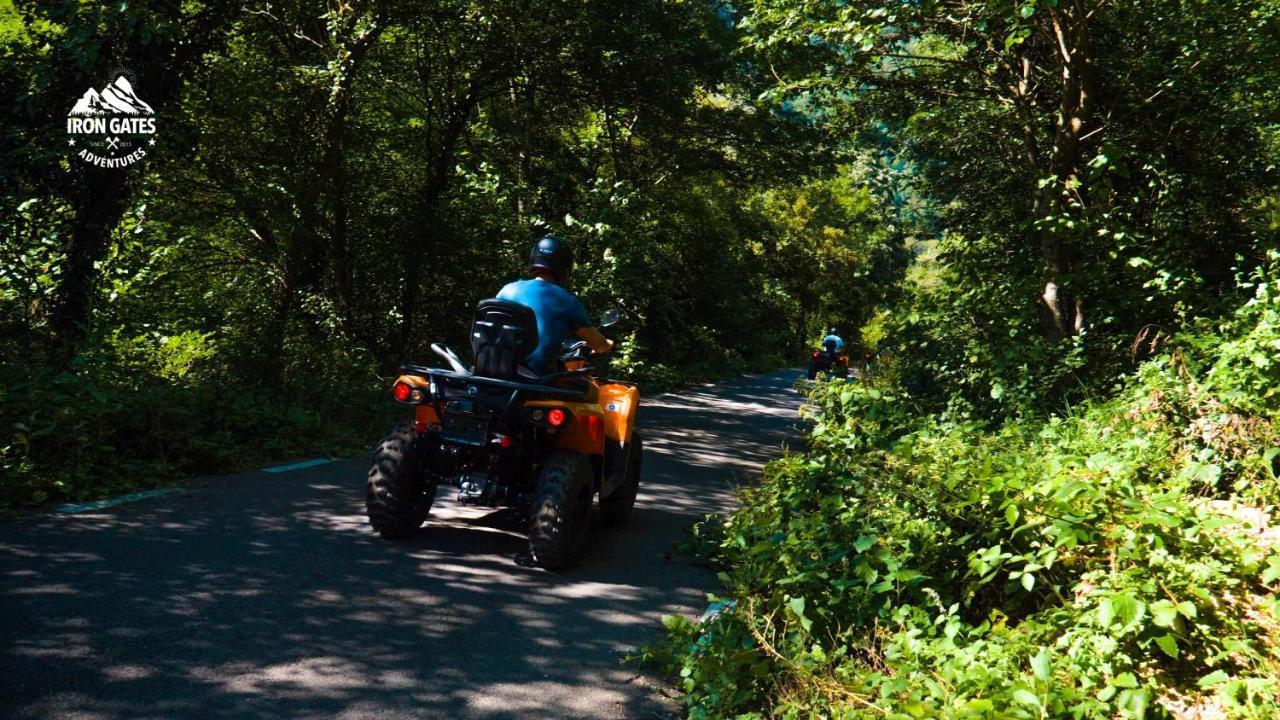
x=537 y=386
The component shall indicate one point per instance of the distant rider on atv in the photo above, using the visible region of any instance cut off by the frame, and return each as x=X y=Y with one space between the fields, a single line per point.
x=833 y=342
x=828 y=359
x=559 y=312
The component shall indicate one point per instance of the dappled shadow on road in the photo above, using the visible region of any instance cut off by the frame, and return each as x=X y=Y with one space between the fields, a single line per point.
x=268 y=595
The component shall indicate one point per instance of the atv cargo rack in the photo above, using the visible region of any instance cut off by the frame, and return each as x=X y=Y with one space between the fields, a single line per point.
x=536 y=386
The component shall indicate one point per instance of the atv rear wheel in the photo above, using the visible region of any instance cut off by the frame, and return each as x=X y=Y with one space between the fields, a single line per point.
x=401 y=486
x=561 y=510
x=616 y=509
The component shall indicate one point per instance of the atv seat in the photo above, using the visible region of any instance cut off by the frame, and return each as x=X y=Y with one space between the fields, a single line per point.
x=503 y=334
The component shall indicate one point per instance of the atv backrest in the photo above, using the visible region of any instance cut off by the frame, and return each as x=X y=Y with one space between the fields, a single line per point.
x=503 y=334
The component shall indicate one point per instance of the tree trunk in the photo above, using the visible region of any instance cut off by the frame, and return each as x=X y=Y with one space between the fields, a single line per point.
x=1062 y=299
x=308 y=257
x=99 y=197
x=414 y=252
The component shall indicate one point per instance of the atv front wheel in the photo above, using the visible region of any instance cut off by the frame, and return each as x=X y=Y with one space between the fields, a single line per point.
x=616 y=509
x=401 y=487
x=561 y=510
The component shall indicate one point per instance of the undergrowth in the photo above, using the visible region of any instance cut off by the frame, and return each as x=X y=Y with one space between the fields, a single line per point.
x=115 y=424
x=1116 y=561
x=134 y=414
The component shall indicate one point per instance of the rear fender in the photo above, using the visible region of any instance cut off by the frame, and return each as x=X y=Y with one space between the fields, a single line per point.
x=601 y=429
x=585 y=432
x=619 y=404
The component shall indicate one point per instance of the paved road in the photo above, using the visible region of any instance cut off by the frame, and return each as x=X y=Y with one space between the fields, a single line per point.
x=261 y=595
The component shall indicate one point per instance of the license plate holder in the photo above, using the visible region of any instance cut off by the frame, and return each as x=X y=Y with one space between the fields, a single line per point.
x=465 y=429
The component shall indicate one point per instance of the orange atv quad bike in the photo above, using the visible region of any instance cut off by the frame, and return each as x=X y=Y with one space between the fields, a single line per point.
x=506 y=436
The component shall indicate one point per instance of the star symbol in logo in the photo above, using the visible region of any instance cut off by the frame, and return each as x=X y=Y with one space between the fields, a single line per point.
x=71 y=142
x=152 y=141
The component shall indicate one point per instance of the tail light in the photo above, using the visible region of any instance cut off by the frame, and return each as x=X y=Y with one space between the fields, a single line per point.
x=817 y=355
x=557 y=417
x=402 y=391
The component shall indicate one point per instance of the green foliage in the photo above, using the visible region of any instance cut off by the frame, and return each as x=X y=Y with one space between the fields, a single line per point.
x=1105 y=563
x=333 y=190
x=159 y=411
x=1121 y=153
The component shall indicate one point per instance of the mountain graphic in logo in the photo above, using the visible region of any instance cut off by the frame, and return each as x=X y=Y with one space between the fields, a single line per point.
x=117 y=98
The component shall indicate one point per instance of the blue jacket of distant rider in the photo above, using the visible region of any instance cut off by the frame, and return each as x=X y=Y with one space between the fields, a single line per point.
x=833 y=343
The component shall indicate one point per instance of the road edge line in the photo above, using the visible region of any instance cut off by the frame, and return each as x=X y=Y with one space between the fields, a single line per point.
x=117 y=500
x=314 y=462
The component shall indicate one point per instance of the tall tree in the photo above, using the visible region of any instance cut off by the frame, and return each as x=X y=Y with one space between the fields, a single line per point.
x=67 y=47
x=1067 y=128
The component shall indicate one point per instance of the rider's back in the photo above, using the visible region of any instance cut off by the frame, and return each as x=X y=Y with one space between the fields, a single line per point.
x=559 y=314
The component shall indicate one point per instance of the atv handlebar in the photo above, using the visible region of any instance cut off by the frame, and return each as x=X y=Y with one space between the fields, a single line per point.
x=573 y=349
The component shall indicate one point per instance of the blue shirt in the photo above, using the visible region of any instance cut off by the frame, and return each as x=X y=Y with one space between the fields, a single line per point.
x=833 y=339
x=559 y=314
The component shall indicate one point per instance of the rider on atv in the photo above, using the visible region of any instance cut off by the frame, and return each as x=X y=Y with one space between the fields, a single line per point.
x=559 y=312
x=528 y=425
x=829 y=359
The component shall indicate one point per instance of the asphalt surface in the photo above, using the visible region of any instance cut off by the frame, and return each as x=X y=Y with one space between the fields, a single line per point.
x=266 y=595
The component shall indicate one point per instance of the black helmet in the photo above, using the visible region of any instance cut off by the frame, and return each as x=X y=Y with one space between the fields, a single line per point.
x=553 y=255
x=833 y=331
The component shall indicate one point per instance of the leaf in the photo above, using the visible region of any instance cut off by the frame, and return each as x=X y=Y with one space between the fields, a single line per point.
x=1105 y=612
x=1214 y=678
x=796 y=605
x=1133 y=702
x=1040 y=664
x=1268 y=458
x=1120 y=608
x=1026 y=697
x=997 y=391
x=1028 y=581
x=1011 y=514
x=1125 y=680
x=1272 y=572
x=863 y=542
x=1163 y=613
x=1169 y=645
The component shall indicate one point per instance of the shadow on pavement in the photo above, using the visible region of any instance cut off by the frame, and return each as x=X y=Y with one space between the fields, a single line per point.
x=268 y=596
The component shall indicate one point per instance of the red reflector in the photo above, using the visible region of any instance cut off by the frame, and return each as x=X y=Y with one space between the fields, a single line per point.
x=595 y=426
x=817 y=355
x=556 y=417
x=504 y=442
x=401 y=391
